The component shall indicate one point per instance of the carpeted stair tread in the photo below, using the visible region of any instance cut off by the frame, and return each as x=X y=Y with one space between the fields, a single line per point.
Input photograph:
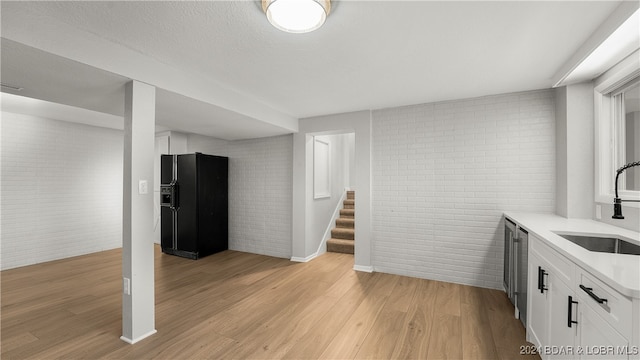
x=340 y=246
x=342 y=233
x=345 y=223
x=347 y=213
x=349 y=204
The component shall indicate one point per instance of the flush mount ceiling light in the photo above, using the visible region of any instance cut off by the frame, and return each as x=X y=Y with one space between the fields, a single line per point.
x=297 y=16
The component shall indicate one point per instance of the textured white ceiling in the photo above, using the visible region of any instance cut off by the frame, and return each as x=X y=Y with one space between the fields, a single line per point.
x=368 y=55
x=57 y=80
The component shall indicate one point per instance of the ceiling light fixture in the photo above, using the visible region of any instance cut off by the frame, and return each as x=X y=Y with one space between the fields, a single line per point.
x=297 y=16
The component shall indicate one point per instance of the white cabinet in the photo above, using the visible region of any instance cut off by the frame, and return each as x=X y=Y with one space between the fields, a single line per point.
x=539 y=322
x=573 y=315
x=549 y=326
x=597 y=339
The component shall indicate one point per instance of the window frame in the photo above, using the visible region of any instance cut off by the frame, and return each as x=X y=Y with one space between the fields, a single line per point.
x=607 y=131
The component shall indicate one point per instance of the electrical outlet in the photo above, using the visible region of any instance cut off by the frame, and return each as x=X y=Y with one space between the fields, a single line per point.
x=126 y=286
x=598 y=212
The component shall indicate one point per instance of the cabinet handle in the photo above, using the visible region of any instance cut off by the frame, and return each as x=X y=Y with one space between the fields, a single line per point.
x=541 y=275
x=570 y=316
x=595 y=297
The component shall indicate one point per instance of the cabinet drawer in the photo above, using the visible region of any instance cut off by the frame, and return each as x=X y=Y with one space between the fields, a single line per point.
x=617 y=308
x=562 y=267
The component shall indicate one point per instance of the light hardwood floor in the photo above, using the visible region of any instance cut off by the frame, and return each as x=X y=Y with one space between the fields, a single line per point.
x=235 y=305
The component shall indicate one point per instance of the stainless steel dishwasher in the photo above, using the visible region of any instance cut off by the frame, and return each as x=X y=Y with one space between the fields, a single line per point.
x=516 y=242
x=522 y=252
x=508 y=280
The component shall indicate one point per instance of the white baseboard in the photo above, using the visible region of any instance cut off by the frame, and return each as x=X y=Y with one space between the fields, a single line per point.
x=142 y=337
x=304 y=259
x=367 y=269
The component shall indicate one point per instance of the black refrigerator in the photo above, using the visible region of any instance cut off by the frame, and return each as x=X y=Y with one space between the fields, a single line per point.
x=194 y=204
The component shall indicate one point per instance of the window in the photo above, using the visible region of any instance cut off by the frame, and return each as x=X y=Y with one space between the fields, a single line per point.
x=617 y=127
x=626 y=117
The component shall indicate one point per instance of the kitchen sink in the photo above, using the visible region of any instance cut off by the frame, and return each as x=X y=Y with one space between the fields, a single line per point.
x=604 y=244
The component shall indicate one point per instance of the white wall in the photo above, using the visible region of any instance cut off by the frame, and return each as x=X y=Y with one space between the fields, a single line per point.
x=207 y=145
x=61 y=189
x=574 y=148
x=444 y=173
x=260 y=203
x=351 y=159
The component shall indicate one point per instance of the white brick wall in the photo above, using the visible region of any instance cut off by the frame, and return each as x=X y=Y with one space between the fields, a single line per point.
x=443 y=173
x=260 y=196
x=260 y=176
x=61 y=189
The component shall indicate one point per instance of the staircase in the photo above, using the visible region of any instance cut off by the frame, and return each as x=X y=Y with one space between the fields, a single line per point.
x=343 y=235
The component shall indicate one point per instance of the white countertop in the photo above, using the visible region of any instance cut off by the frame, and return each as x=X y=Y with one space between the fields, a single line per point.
x=620 y=271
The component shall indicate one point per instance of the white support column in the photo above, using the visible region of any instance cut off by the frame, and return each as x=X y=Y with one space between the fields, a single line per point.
x=138 y=299
x=574 y=151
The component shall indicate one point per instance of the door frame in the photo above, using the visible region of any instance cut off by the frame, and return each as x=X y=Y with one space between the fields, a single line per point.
x=355 y=122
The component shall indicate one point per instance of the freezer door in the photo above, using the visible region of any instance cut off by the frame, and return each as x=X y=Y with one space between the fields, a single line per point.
x=166 y=169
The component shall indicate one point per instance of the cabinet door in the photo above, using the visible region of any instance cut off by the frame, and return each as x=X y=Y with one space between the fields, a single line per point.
x=597 y=339
x=523 y=256
x=508 y=258
x=538 y=323
x=562 y=334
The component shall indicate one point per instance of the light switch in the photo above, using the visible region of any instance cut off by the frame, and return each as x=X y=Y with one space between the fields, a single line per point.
x=143 y=187
x=126 y=286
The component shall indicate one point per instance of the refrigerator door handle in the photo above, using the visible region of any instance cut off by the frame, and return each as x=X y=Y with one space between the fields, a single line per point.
x=174 y=235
